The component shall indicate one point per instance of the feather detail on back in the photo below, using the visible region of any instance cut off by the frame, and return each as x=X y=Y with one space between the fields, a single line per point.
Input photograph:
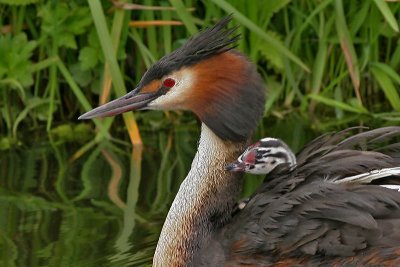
x=321 y=211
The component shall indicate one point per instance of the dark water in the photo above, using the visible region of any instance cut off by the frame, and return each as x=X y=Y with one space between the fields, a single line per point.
x=64 y=205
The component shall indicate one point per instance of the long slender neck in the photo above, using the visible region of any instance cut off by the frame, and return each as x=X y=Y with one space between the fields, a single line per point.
x=203 y=203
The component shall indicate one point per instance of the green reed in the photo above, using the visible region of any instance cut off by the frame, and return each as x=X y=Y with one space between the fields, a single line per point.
x=330 y=63
x=326 y=55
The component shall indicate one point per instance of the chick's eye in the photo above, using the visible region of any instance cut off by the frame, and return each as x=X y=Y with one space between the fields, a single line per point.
x=169 y=82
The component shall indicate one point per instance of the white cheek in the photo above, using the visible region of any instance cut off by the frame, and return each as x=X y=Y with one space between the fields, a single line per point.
x=258 y=170
x=175 y=97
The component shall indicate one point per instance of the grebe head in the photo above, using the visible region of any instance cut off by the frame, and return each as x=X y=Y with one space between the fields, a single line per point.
x=205 y=76
x=263 y=157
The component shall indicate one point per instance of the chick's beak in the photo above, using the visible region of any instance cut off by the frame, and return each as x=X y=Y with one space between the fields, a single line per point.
x=235 y=166
x=133 y=100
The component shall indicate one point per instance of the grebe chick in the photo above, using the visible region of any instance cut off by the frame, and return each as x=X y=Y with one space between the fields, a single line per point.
x=263 y=157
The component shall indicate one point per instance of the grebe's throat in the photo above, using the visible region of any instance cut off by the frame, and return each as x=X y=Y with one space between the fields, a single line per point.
x=203 y=203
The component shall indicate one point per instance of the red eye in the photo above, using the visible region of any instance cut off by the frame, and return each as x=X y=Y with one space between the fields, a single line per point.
x=169 y=82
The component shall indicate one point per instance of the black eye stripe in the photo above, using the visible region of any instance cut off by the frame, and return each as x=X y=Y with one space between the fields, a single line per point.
x=263 y=149
x=279 y=155
x=271 y=143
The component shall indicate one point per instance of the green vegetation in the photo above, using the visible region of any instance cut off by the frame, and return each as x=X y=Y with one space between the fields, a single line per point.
x=333 y=56
x=328 y=64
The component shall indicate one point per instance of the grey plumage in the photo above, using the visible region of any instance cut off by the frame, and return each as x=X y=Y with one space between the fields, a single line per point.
x=304 y=216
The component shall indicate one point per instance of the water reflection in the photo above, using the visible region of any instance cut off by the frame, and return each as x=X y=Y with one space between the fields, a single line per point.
x=64 y=206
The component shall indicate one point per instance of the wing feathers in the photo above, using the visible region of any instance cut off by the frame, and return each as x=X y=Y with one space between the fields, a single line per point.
x=327 y=205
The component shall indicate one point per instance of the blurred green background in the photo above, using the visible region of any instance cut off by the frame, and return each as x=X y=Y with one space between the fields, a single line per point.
x=95 y=193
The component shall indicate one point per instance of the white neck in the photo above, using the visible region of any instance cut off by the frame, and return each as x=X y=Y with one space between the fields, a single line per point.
x=203 y=203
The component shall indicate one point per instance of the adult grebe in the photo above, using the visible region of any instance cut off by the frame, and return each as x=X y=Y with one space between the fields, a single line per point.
x=291 y=220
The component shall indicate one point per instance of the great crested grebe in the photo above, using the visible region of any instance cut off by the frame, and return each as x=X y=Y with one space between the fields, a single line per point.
x=295 y=219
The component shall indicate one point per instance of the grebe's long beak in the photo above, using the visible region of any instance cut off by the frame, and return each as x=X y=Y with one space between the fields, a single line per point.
x=133 y=100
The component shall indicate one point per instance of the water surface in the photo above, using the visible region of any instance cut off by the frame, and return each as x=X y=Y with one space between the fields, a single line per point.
x=60 y=207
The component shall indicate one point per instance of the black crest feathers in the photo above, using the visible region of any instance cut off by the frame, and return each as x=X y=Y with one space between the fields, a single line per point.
x=210 y=42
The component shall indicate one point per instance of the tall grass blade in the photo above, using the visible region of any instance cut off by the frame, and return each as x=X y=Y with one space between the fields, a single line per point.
x=387 y=14
x=319 y=67
x=387 y=69
x=109 y=53
x=145 y=53
x=346 y=43
x=167 y=34
x=336 y=104
x=316 y=10
x=150 y=32
x=184 y=15
x=253 y=27
x=387 y=86
x=117 y=25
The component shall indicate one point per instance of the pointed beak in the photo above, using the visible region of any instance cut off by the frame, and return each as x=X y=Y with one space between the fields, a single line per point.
x=133 y=100
x=235 y=166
